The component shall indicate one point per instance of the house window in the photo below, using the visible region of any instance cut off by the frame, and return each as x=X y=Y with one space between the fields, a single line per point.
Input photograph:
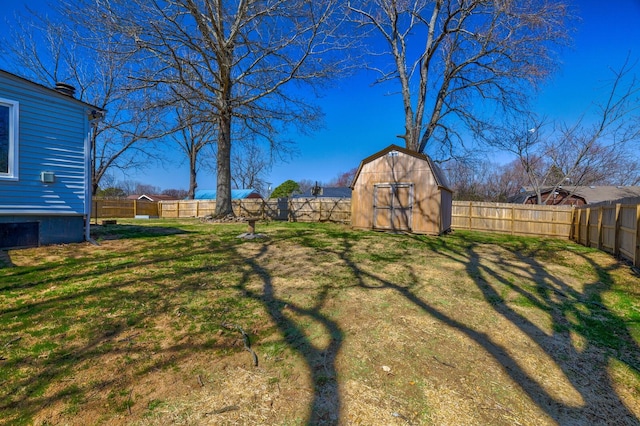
x=8 y=139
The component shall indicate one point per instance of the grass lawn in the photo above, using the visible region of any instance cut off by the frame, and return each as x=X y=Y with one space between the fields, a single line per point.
x=349 y=327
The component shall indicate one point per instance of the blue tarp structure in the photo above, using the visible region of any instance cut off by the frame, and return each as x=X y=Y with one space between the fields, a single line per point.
x=236 y=194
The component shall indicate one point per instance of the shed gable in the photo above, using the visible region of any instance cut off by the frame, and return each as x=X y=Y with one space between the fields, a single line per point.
x=401 y=161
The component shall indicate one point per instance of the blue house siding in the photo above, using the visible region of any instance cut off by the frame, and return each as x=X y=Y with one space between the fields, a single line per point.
x=53 y=137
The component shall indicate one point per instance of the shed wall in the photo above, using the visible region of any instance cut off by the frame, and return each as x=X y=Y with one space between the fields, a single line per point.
x=400 y=168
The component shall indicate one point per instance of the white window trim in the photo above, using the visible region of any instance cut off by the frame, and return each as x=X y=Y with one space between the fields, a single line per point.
x=14 y=111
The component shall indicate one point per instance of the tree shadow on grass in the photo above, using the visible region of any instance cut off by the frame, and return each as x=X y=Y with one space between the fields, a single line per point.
x=320 y=359
x=572 y=312
x=584 y=313
x=149 y=295
x=119 y=232
x=579 y=313
x=44 y=342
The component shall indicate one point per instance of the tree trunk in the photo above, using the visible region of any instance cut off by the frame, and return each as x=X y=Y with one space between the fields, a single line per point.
x=223 y=188
x=225 y=114
x=193 y=183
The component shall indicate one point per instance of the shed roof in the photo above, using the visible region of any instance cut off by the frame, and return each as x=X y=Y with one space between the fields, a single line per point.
x=438 y=174
x=236 y=194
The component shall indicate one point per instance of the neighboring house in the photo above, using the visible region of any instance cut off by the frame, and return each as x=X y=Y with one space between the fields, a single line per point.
x=150 y=197
x=236 y=194
x=401 y=190
x=576 y=195
x=325 y=192
x=45 y=163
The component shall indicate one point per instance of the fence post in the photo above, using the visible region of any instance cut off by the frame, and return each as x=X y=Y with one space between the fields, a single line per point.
x=470 y=214
x=636 y=250
x=513 y=219
x=600 y=213
x=587 y=235
x=616 y=230
x=573 y=212
x=580 y=224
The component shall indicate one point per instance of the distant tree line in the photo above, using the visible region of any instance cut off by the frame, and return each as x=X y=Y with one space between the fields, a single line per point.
x=126 y=188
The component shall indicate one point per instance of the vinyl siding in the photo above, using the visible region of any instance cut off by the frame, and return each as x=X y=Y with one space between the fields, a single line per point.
x=52 y=134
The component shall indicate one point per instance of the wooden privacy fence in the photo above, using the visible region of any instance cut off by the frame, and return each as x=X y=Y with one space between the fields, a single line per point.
x=614 y=228
x=320 y=210
x=113 y=208
x=273 y=209
x=515 y=219
x=294 y=209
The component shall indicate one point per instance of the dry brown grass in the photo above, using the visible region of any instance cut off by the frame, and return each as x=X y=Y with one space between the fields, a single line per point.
x=350 y=328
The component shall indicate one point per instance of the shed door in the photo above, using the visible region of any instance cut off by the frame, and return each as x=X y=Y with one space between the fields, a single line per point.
x=392 y=206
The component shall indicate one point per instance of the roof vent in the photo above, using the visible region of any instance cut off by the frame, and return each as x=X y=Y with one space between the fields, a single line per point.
x=66 y=89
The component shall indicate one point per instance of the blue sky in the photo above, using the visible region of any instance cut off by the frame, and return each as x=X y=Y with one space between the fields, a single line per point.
x=361 y=120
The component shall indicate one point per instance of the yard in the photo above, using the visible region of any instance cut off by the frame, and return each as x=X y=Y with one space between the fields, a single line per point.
x=349 y=327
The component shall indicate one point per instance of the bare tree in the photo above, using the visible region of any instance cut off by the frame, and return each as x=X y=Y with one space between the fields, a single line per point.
x=178 y=194
x=78 y=51
x=192 y=136
x=145 y=188
x=479 y=179
x=524 y=136
x=590 y=151
x=249 y=165
x=343 y=179
x=241 y=64
x=306 y=184
x=457 y=61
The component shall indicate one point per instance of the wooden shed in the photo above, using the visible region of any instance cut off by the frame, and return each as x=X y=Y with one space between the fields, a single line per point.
x=400 y=190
